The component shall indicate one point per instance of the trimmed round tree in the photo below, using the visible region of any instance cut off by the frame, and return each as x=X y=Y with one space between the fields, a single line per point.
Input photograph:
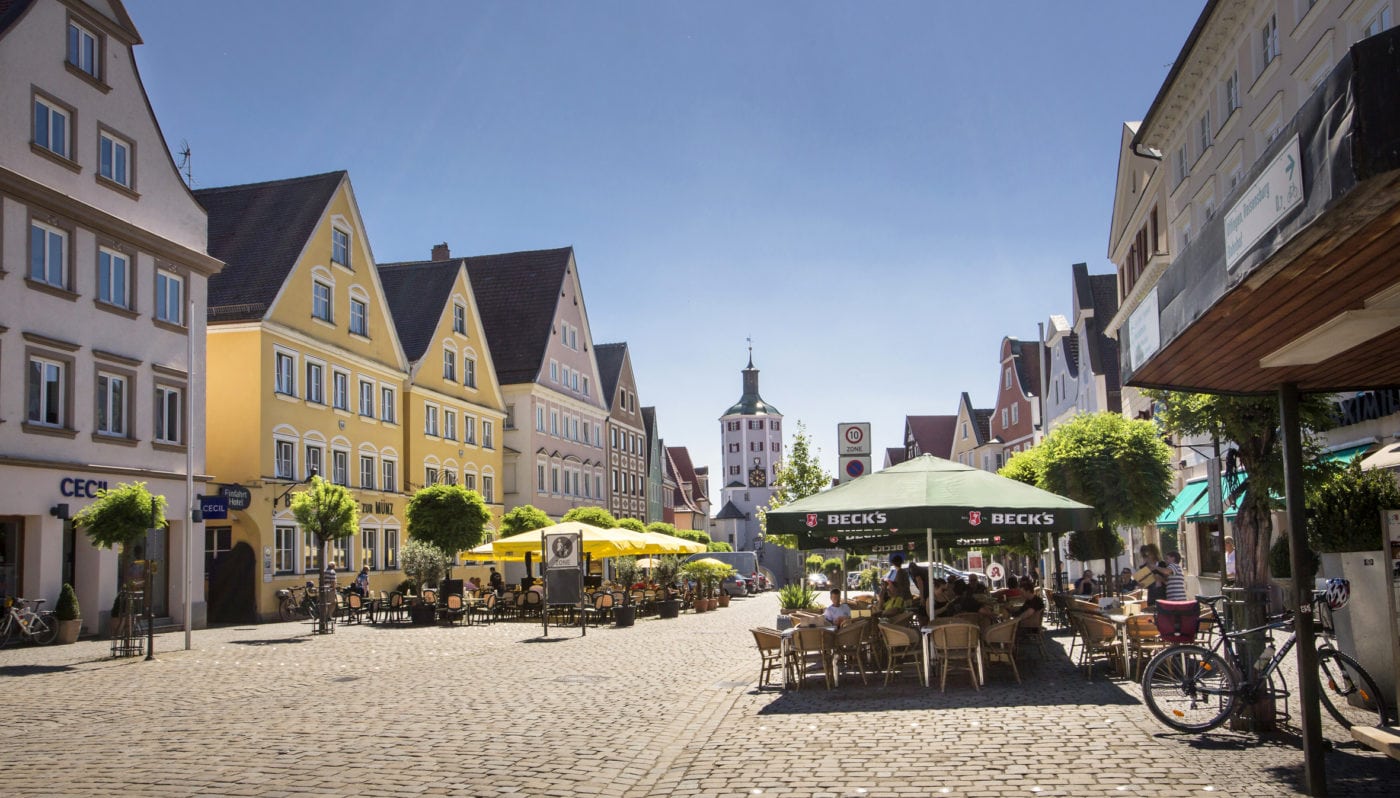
x=525 y=518
x=631 y=524
x=120 y=516
x=593 y=516
x=449 y=517
x=329 y=512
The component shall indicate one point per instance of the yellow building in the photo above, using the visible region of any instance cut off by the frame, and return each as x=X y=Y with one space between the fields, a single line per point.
x=453 y=410
x=305 y=374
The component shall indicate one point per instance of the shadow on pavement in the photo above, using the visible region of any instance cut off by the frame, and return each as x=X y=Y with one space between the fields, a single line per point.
x=272 y=642
x=32 y=670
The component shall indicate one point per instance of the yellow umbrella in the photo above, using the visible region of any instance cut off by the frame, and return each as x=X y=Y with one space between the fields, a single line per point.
x=657 y=543
x=597 y=542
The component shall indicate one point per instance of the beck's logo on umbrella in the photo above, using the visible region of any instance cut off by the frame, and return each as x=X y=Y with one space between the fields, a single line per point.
x=811 y=520
x=974 y=518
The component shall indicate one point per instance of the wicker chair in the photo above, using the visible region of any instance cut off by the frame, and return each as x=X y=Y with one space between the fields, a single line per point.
x=1143 y=641
x=453 y=609
x=770 y=647
x=851 y=644
x=902 y=645
x=1100 y=643
x=1032 y=627
x=1000 y=644
x=957 y=641
x=808 y=646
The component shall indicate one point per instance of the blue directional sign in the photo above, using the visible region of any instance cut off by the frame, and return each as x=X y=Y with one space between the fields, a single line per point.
x=213 y=507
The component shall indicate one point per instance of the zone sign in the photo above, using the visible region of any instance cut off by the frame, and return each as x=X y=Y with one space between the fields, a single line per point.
x=853 y=439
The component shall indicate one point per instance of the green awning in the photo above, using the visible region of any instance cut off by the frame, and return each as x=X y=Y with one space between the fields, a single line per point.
x=1345 y=456
x=1200 y=512
x=1184 y=501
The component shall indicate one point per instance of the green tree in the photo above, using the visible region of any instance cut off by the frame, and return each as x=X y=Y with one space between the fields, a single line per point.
x=121 y=515
x=813 y=563
x=631 y=524
x=593 y=516
x=662 y=528
x=423 y=563
x=693 y=535
x=854 y=562
x=800 y=475
x=449 y=517
x=718 y=545
x=1344 y=513
x=327 y=511
x=525 y=518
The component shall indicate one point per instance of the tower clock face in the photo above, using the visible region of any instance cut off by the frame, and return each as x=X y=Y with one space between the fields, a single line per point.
x=757 y=478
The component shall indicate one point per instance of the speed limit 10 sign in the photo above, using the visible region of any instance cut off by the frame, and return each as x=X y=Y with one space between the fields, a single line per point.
x=853 y=439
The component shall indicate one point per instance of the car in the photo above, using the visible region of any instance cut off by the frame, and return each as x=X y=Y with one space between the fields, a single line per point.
x=818 y=581
x=735 y=585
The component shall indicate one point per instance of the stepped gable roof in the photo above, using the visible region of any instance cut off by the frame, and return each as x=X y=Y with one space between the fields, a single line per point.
x=730 y=513
x=1103 y=349
x=417 y=294
x=517 y=295
x=259 y=230
x=610 y=357
x=933 y=434
x=1071 y=344
x=894 y=455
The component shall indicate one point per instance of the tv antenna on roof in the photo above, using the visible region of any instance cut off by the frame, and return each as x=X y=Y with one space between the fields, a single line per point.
x=186 y=166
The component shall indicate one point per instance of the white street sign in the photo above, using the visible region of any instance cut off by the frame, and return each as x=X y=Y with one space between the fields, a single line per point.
x=852 y=467
x=853 y=439
x=1267 y=200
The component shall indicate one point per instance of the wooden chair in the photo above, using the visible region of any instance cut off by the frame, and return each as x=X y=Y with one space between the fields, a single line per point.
x=1100 y=643
x=429 y=595
x=902 y=645
x=851 y=643
x=1032 y=627
x=807 y=646
x=770 y=647
x=601 y=609
x=961 y=642
x=531 y=605
x=1143 y=641
x=394 y=610
x=484 y=609
x=1000 y=644
x=355 y=608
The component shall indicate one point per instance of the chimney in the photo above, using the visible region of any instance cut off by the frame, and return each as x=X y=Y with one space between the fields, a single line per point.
x=441 y=252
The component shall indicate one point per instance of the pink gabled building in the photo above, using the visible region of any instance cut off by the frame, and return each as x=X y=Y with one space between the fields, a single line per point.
x=1015 y=420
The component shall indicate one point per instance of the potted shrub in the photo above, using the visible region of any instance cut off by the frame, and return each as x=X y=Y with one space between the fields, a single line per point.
x=424 y=564
x=665 y=575
x=67 y=614
x=625 y=571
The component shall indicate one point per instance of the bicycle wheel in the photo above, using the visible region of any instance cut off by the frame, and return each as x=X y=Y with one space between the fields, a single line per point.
x=285 y=610
x=43 y=630
x=1189 y=688
x=1348 y=691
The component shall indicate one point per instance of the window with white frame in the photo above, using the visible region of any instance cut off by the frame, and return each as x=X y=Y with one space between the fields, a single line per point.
x=449 y=477
x=573 y=380
x=315 y=463
x=1006 y=378
x=48 y=255
x=1204 y=133
x=554 y=479
x=390 y=471
x=469 y=480
x=52 y=127
x=367 y=472
x=340 y=247
x=1183 y=166
x=369 y=548
x=553 y=371
x=539 y=418
x=449 y=424
x=1378 y=23
x=585 y=385
x=285 y=374
x=340 y=467
x=430 y=475
x=284 y=549
x=554 y=423
x=1268 y=42
x=283 y=459
x=1232 y=92
x=111 y=404
x=386 y=404
x=114 y=158
x=84 y=50
x=488 y=489
x=113 y=278
x=169 y=414
x=488 y=434
x=449 y=365
x=315 y=383
x=170 y=292
x=459 y=318
x=340 y=389
x=359 y=317
x=321 y=300
x=1004 y=423
x=309 y=548
x=391 y=549
x=342 y=552
x=468 y=371
x=47 y=392
x=367 y=398
x=469 y=429
x=539 y=477
x=1015 y=414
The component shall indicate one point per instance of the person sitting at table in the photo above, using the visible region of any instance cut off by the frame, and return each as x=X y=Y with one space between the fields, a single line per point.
x=1085 y=585
x=1126 y=582
x=896 y=597
x=474 y=584
x=497 y=582
x=837 y=613
x=1032 y=604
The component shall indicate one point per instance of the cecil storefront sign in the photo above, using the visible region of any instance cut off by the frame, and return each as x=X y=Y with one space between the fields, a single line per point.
x=79 y=488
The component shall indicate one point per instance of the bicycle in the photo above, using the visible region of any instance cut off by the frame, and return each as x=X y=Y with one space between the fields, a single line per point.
x=298 y=603
x=1193 y=688
x=22 y=619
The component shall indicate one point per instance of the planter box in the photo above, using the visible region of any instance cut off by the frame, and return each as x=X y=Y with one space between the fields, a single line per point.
x=624 y=616
x=668 y=609
x=724 y=600
x=68 y=630
x=422 y=614
x=701 y=605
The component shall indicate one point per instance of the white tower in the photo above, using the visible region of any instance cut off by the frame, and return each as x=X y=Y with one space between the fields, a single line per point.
x=752 y=438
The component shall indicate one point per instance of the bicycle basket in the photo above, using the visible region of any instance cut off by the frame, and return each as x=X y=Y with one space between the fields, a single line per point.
x=1178 y=621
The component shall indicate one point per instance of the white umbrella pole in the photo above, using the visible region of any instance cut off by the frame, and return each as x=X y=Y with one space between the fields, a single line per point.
x=928 y=583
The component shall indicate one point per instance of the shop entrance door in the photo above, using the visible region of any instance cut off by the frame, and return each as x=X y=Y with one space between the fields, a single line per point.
x=11 y=530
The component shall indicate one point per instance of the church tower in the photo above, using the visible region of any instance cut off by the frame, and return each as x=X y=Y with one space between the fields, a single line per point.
x=752 y=436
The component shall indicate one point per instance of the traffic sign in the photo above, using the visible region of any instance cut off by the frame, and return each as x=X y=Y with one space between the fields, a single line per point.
x=852 y=467
x=853 y=438
x=995 y=572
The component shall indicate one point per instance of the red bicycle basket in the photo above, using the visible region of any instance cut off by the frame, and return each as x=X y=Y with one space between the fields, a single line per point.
x=1178 y=621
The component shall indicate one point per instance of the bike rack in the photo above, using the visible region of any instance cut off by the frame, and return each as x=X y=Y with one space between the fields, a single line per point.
x=129 y=640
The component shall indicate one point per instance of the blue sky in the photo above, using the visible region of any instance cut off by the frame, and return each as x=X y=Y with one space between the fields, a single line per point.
x=877 y=193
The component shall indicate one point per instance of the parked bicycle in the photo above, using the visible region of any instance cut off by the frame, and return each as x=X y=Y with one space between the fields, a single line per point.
x=1194 y=688
x=297 y=603
x=23 y=620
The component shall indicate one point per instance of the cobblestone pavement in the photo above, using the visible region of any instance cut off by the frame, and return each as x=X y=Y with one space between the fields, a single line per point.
x=664 y=708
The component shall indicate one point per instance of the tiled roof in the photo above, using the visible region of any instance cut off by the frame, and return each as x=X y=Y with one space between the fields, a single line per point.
x=894 y=455
x=1026 y=356
x=11 y=10
x=649 y=421
x=933 y=434
x=259 y=230
x=1071 y=344
x=729 y=512
x=681 y=475
x=417 y=294
x=517 y=295
x=982 y=417
x=1103 y=350
x=610 y=357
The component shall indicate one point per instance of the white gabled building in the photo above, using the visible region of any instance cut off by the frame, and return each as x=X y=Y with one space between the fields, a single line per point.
x=103 y=269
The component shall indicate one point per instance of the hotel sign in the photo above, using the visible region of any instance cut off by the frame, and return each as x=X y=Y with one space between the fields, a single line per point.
x=1267 y=200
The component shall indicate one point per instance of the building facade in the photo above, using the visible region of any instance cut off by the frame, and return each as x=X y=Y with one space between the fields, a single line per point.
x=454 y=413
x=751 y=437
x=1015 y=420
x=626 y=435
x=1082 y=359
x=537 y=328
x=309 y=380
x=973 y=444
x=929 y=435
x=103 y=276
x=656 y=468
x=690 y=503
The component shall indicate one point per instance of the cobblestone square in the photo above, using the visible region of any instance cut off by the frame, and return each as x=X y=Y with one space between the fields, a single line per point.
x=664 y=708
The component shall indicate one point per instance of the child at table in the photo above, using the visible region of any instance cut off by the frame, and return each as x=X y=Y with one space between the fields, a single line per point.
x=837 y=613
